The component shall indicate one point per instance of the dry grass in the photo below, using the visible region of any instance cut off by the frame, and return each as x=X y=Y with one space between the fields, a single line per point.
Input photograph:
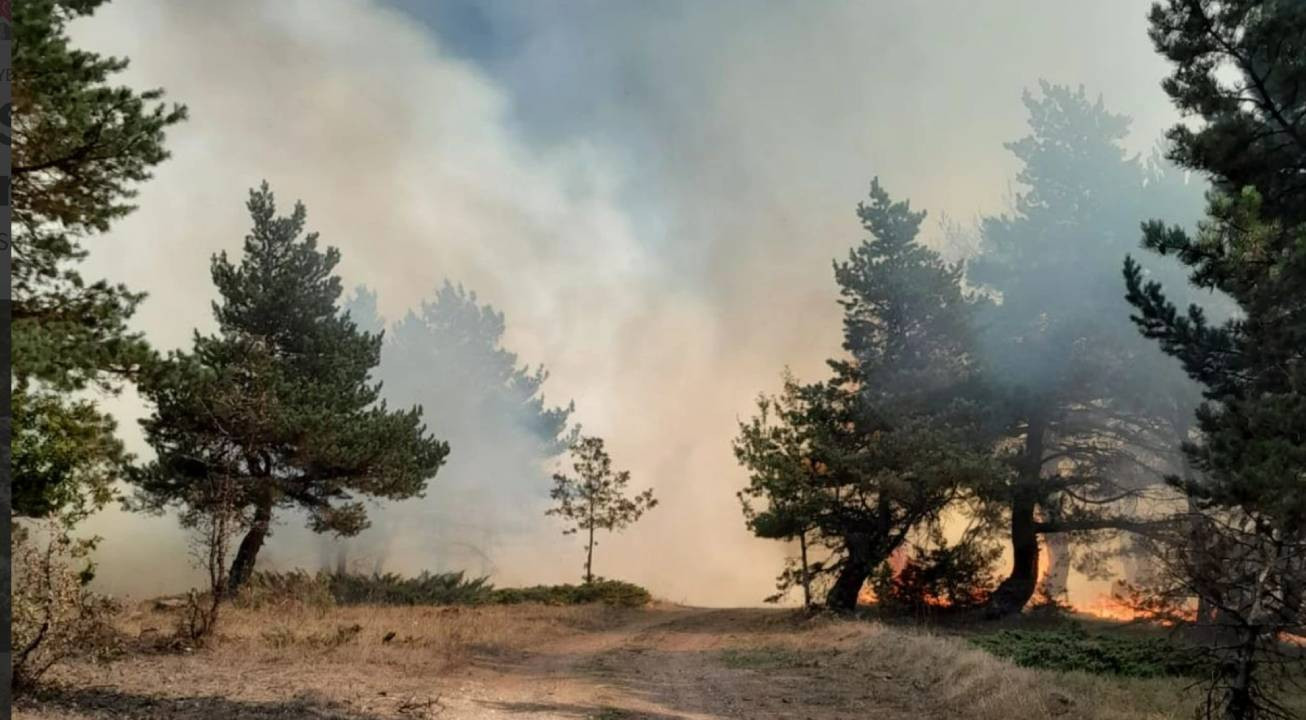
x=416 y=639
x=954 y=678
x=299 y=662
x=970 y=681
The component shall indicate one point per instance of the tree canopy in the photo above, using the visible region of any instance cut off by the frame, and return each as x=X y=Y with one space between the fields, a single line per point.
x=280 y=400
x=882 y=447
x=81 y=146
x=1086 y=422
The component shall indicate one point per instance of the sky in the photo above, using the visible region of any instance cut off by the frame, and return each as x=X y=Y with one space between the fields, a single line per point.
x=652 y=193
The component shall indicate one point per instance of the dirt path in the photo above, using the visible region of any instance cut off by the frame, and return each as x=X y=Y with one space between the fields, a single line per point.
x=685 y=663
x=655 y=664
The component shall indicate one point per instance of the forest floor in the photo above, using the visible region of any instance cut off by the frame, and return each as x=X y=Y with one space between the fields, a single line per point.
x=534 y=662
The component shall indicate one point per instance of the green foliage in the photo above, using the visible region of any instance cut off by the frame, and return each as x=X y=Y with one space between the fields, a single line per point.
x=280 y=401
x=272 y=589
x=324 y=589
x=881 y=448
x=940 y=578
x=783 y=499
x=1240 y=65
x=615 y=593
x=80 y=146
x=450 y=588
x=68 y=456
x=1081 y=402
x=1253 y=367
x=1076 y=650
x=595 y=498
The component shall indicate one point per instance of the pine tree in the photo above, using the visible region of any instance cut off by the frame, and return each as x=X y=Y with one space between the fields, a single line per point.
x=595 y=497
x=1081 y=410
x=451 y=352
x=784 y=497
x=280 y=401
x=885 y=445
x=80 y=146
x=1241 y=66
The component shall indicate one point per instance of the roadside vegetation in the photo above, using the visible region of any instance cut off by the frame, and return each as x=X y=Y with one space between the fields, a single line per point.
x=1113 y=372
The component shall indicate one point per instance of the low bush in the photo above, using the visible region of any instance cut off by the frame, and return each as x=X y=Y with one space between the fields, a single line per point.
x=941 y=578
x=55 y=615
x=1075 y=649
x=324 y=589
x=609 y=592
x=266 y=589
x=451 y=588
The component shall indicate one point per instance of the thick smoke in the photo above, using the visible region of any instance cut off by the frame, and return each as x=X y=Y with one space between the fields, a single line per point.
x=651 y=193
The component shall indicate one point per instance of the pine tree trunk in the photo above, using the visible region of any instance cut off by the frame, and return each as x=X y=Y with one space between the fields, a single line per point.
x=1013 y=593
x=242 y=567
x=852 y=576
x=1240 y=702
x=1057 y=580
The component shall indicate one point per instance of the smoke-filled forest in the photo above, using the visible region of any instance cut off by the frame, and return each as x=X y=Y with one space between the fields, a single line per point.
x=681 y=360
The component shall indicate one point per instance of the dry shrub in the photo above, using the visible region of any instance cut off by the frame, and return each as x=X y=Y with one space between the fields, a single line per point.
x=419 y=638
x=292 y=590
x=55 y=616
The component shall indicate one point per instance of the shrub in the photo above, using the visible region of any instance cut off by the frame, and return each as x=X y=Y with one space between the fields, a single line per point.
x=324 y=589
x=609 y=592
x=946 y=577
x=1102 y=654
x=298 y=588
x=450 y=588
x=55 y=616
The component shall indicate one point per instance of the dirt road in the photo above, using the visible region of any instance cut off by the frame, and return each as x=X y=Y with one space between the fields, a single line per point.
x=694 y=664
x=658 y=663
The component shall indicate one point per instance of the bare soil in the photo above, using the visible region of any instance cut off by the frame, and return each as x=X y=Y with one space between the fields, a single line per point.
x=535 y=662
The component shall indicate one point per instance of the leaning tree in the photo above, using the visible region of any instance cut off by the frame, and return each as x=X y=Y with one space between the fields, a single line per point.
x=865 y=458
x=279 y=402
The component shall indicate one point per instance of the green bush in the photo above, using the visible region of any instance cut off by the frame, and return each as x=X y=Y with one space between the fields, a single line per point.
x=323 y=589
x=609 y=592
x=1101 y=654
x=938 y=579
x=451 y=588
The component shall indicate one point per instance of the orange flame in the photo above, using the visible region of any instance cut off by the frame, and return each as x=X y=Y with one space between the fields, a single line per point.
x=1126 y=604
x=897 y=561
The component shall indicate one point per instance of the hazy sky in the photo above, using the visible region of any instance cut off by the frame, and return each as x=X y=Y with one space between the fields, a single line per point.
x=651 y=191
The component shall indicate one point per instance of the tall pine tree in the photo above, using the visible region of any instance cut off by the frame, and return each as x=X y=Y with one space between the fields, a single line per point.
x=280 y=401
x=893 y=437
x=1081 y=409
x=80 y=147
x=1241 y=67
